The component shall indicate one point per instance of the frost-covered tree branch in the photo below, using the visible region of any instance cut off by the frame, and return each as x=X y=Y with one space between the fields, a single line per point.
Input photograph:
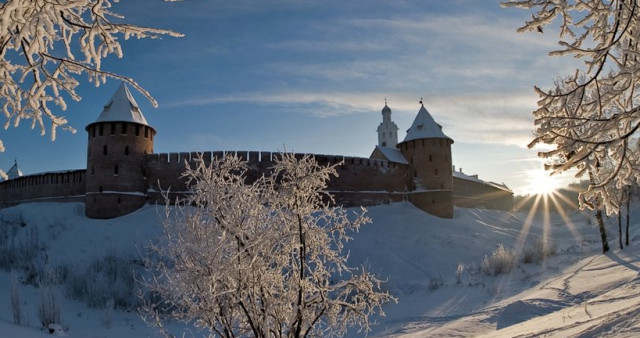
x=262 y=259
x=45 y=46
x=592 y=116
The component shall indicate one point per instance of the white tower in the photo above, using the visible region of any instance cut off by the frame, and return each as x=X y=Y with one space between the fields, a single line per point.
x=387 y=130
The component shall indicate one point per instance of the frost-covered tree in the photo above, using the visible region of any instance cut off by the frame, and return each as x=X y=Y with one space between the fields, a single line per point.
x=45 y=46
x=592 y=116
x=263 y=259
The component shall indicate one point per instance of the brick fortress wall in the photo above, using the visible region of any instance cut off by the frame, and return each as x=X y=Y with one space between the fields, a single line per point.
x=360 y=181
x=67 y=186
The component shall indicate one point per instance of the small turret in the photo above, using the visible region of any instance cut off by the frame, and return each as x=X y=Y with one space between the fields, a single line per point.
x=119 y=140
x=14 y=172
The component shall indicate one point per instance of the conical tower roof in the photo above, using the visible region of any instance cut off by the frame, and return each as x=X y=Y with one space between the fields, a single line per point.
x=14 y=172
x=122 y=107
x=424 y=126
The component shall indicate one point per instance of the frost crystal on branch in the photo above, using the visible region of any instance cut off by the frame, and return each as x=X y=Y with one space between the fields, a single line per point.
x=262 y=259
x=592 y=116
x=46 y=45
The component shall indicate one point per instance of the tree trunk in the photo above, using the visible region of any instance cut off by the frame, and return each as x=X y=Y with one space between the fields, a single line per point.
x=603 y=233
x=628 y=200
x=620 y=228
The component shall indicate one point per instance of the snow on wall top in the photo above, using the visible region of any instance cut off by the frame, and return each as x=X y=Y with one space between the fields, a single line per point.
x=424 y=126
x=474 y=178
x=122 y=107
x=392 y=154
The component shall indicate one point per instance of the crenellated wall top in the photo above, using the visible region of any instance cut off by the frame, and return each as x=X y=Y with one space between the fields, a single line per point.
x=267 y=158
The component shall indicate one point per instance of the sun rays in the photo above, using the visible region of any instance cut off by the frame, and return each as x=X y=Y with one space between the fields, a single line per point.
x=546 y=206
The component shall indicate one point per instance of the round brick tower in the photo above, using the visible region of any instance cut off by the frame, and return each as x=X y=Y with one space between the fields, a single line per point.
x=119 y=140
x=428 y=153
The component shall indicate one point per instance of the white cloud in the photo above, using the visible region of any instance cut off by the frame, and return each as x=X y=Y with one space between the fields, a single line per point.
x=502 y=118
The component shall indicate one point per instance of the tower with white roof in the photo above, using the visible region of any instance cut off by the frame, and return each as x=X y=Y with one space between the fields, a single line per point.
x=116 y=179
x=428 y=153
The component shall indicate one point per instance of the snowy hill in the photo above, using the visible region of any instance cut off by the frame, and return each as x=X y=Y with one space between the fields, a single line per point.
x=432 y=265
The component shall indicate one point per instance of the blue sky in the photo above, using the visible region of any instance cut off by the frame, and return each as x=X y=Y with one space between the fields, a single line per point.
x=312 y=76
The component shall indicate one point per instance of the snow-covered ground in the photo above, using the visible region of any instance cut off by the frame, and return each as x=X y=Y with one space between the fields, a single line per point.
x=431 y=265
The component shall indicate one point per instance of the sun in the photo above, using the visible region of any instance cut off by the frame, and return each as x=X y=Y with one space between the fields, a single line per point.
x=541 y=182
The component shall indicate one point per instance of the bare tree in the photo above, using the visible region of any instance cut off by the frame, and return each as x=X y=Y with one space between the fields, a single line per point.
x=592 y=116
x=45 y=46
x=263 y=258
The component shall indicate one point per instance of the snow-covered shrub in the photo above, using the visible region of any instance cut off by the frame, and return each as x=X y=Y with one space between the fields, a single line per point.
x=108 y=313
x=459 y=272
x=55 y=229
x=435 y=283
x=15 y=298
x=537 y=251
x=502 y=260
x=262 y=258
x=19 y=251
x=49 y=305
x=104 y=278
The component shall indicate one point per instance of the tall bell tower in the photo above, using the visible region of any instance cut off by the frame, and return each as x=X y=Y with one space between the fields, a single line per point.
x=387 y=130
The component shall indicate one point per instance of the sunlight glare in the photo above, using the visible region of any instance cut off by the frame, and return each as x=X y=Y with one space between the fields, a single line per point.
x=541 y=183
